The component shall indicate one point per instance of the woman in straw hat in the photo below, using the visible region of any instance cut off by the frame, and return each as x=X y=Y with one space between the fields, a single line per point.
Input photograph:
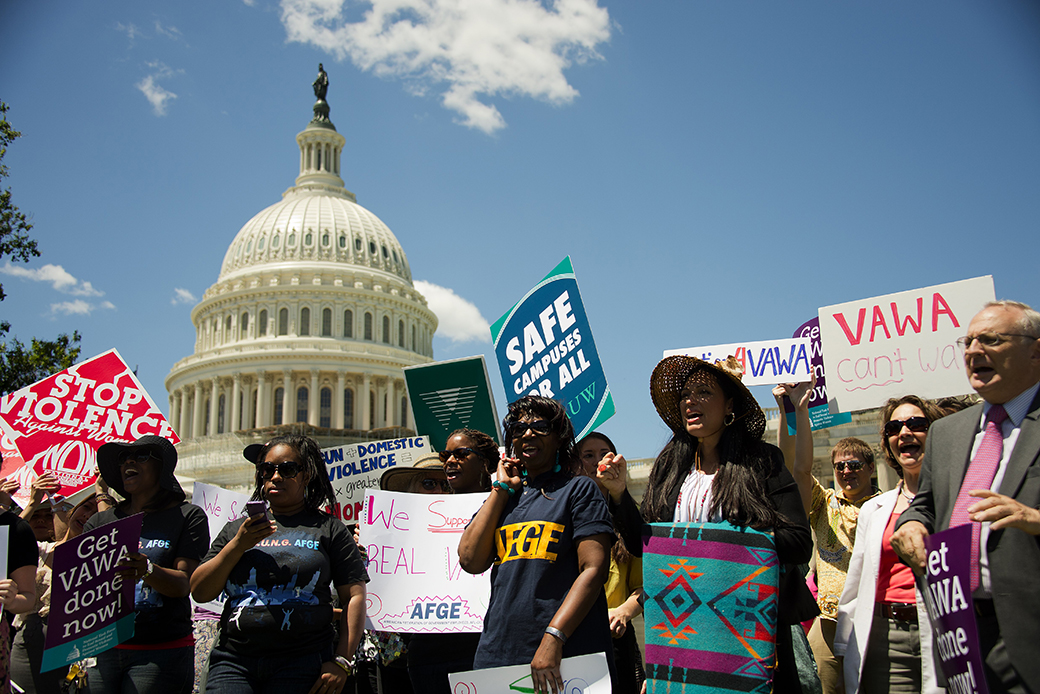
x=546 y=530
x=716 y=467
x=174 y=537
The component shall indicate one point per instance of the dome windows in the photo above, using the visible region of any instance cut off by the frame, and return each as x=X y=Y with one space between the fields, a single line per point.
x=386 y=329
x=243 y=327
x=342 y=242
x=357 y=244
x=386 y=254
x=371 y=247
x=260 y=244
x=394 y=253
x=283 y=321
x=291 y=241
x=400 y=334
x=308 y=239
x=275 y=241
x=348 y=323
x=325 y=240
x=326 y=322
x=305 y=322
x=249 y=247
x=369 y=329
x=261 y=326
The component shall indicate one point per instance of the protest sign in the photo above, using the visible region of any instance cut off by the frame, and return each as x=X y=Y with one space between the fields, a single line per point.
x=356 y=467
x=544 y=347
x=820 y=416
x=582 y=674
x=891 y=345
x=450 y=395
x=221 y=506
x=955 y=636
x=14 y=467
x=417 y=585
x=92 y=607
x=58 y=423
x=765 y=362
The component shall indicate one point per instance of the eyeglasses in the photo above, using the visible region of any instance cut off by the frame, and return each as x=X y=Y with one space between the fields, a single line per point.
x=459 y=454
x=142 y=456
x=286 y=470
x=540 y=427
x=429 y=484
x=849 y=465
x=918 y=424
x=990 y=339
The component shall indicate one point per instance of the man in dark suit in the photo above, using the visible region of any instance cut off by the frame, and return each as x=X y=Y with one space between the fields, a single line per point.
x=982 y=466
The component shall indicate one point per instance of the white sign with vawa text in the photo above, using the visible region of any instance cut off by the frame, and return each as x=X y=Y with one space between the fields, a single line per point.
x=582 y=674
x=417 y=585
x=892 y=345
x=766 y=362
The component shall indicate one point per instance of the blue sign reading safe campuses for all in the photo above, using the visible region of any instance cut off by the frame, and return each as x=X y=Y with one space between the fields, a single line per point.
x=544 y=347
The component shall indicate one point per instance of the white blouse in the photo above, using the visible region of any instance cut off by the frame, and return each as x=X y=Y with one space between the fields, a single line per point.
x=695 y=498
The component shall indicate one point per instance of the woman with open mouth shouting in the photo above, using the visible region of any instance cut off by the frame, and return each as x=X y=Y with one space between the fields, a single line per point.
x=546 y=530
x=883 y=627
x=278 y=568
x=174 y=538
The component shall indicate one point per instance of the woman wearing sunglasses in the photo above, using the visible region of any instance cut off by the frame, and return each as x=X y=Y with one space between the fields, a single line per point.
x=883 y=627
x=174 y=538
x=546 y=530
x=470 y=457
x=277 y=572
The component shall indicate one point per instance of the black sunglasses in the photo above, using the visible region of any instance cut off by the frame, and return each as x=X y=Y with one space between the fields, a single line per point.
x=429 y=484
x=540 y=427
x=287 y=470
x=141 y=456
x=850 y=465
x=459 y=454
x=917 y=424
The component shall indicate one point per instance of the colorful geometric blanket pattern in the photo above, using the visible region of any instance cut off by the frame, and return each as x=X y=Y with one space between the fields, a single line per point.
x=711 y=605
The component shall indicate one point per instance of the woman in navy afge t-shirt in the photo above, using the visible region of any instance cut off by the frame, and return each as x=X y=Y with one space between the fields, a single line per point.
x=174 y=537
x=547 y=531
x=276 y=573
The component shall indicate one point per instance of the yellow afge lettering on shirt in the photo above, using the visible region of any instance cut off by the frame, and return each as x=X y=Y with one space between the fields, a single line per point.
x=530 y=540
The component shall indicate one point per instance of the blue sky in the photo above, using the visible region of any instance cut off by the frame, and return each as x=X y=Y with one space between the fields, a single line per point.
x=716 y=170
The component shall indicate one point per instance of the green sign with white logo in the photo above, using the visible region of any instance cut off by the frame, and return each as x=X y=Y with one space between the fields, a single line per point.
x=450 y=395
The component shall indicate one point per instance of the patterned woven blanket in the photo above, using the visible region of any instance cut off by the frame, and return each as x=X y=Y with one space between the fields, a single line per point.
x=711 y=605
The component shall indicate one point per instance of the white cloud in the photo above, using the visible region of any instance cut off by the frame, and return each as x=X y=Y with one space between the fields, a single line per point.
x=469 y=50
x=78 y=307
x=157 y=95
x=250 y=3
x=182 y=296
x=459 y=320
x=58 y=277
x=107 y=304
x=169 y=32
x=131 y=31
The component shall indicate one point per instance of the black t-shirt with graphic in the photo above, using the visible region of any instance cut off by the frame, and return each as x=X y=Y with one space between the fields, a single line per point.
x=279 y=594
x=181 y=531
x=536 y=563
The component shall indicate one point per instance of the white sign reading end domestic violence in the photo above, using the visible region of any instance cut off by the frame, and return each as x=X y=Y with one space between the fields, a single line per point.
x=356 y=467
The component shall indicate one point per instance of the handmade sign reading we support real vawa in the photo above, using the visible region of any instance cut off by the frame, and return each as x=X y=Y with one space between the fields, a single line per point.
x=417 y=585
x=92 y=607
x=954 y=633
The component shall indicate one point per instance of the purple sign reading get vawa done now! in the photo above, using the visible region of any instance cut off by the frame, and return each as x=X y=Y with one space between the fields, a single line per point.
x=92 y=607
x=955 y=637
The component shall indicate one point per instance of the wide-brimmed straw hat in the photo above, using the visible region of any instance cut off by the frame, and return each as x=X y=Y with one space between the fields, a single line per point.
x=112 y=454
x=399 y=479
x=671 y=374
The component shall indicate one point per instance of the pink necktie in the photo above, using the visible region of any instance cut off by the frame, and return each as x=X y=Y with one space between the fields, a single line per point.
x=980 y=476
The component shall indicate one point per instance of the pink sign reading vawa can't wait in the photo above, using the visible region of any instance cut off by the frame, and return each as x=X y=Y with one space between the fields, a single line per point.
x=58 y=423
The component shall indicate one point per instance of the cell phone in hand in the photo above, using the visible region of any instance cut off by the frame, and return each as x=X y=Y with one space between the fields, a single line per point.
x=254 y=508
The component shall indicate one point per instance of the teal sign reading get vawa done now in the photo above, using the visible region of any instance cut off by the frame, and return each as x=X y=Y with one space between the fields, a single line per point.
x=544 y=347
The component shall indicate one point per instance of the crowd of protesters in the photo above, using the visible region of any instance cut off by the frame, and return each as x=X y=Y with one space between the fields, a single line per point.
x=850 y=615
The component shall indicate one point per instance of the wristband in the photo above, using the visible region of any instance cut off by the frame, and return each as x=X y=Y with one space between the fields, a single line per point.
x=348 y=667
x=502 y=485
x=553 y=631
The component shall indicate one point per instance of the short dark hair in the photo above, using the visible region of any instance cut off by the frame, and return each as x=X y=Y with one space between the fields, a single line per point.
x=484 y=445
x=931 y=413
x=853 y=446
x=551 y=411
x=319 y=489
x=602 y=437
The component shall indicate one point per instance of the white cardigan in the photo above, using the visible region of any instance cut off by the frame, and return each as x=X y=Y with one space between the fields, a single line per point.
x=856 y=607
